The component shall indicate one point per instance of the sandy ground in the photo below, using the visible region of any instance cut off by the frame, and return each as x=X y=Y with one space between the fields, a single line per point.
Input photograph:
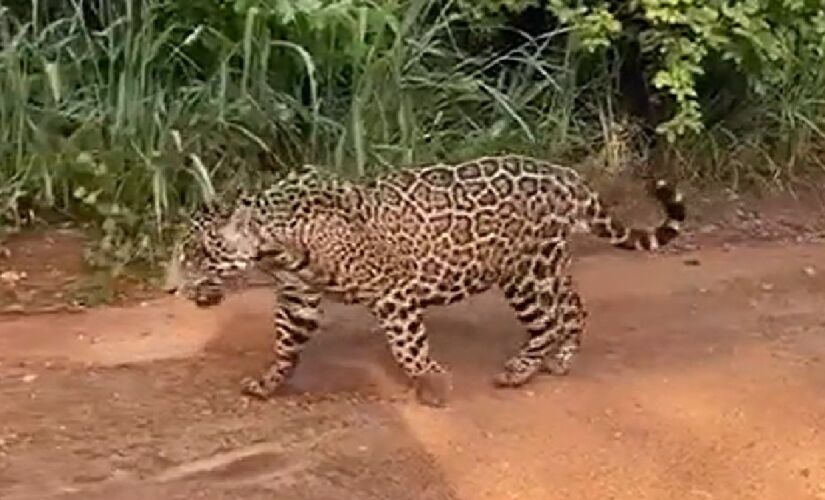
x=702 y=377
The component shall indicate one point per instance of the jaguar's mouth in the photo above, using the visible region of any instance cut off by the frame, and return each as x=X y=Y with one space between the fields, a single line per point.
x=208 y=300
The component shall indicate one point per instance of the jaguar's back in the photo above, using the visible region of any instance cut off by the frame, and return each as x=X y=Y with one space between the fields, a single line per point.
x=453 y=229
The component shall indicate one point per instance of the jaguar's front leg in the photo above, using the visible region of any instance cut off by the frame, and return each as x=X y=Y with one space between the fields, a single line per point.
x=297 y=312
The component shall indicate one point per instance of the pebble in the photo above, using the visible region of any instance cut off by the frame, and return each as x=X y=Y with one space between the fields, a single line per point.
x=12 y=277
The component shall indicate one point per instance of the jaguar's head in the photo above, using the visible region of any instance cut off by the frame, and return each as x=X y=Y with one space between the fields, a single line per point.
x=214 y=250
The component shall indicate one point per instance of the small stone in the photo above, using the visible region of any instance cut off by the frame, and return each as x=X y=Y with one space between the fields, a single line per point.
x=767 y=287
x=12 y=277
x=29 y=378
x=809 y=270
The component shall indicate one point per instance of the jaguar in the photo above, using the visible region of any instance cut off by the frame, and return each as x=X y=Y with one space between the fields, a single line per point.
x=409 y=239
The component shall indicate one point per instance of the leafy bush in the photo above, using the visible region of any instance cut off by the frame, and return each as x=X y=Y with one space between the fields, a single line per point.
x=774 y=45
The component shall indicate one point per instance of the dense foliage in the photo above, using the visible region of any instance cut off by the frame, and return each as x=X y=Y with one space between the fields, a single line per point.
x=124 y=113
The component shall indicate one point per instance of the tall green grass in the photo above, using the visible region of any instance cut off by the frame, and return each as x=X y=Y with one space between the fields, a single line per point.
x=123 y=127
x=129 y=124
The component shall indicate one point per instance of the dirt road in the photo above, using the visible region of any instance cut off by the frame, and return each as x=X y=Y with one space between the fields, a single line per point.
x=700 y=379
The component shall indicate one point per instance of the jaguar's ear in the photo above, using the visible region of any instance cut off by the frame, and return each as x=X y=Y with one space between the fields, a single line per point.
x=206 y=209
x=232 y=194
x=233 y=199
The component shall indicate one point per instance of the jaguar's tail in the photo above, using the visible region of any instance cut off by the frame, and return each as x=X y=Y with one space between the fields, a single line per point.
x=604 y=226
